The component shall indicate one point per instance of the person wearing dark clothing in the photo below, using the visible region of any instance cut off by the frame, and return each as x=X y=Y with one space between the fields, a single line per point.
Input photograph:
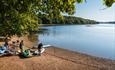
x=6 y=42
x=21 y=46
x=39 y=48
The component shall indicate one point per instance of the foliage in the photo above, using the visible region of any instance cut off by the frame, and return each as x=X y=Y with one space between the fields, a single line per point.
x=109 y=3
x=17 y=17
x=67 y=20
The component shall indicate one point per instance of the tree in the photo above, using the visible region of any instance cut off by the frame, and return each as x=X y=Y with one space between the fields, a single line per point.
x=109 y=3
x=17 y=17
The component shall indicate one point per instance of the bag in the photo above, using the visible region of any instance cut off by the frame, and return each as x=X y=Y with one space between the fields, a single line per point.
x=25 y=54
x=2 y=49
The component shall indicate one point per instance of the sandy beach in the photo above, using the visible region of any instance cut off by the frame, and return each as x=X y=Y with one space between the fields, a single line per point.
x=57 y=59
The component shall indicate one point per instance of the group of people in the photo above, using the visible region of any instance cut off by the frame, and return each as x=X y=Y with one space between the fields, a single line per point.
x=18 y=48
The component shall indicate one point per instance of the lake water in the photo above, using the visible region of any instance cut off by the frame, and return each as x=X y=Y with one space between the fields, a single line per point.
x=97 y=40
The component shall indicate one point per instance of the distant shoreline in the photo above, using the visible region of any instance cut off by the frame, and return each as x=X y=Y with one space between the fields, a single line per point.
x=106 y=22
x=75 y=24
x=63 y=24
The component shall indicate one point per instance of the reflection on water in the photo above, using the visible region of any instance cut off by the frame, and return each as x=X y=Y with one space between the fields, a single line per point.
x=95 y=40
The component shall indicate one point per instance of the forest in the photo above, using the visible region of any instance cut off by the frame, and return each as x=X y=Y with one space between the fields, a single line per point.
x=65 y=20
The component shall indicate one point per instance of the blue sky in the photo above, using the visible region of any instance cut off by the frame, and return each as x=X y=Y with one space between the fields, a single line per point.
x=93 y=9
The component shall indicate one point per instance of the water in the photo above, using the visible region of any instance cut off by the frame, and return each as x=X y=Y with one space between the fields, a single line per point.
x=97 y=40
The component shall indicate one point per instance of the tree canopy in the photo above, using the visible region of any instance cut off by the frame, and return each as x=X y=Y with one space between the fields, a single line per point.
x=109 y=3
x=18 y=17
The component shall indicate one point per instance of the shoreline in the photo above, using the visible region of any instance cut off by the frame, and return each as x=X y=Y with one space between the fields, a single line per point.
x=55 y=58
x=85 y=54
x=63 y=24
x=82 y=58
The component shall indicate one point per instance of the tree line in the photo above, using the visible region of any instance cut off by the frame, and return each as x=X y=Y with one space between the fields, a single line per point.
x=65 y=20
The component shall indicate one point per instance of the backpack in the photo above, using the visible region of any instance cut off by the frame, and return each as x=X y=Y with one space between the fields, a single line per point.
x=25 y=54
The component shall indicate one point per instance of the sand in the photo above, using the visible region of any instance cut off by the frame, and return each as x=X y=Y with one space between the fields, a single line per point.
x=57 y=59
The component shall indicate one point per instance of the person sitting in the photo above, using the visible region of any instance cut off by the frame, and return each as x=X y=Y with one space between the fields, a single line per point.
x=17 y=43
x=40 y=45
x=14 y=47
x=24 y=53
x=6 y=44
x=5 y=48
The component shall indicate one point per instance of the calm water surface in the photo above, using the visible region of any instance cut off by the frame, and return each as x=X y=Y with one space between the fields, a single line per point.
x=97 y=40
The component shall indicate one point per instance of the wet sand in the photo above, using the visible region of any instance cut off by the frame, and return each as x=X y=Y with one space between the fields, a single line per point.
x=57 y=59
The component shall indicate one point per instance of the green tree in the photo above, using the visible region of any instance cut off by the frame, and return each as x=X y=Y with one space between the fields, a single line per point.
x=17 y=17
x=109 y=3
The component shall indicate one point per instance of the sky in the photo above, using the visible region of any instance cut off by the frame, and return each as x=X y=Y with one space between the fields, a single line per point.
x=95 y=10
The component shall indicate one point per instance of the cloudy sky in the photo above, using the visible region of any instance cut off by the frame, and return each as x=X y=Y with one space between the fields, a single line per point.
x=94 y=9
